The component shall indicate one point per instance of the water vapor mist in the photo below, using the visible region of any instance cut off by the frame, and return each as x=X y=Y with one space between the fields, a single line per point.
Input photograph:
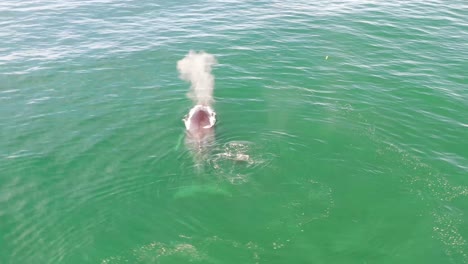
x=196 y=69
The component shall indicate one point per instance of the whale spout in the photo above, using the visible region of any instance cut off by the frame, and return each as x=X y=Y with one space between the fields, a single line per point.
x=195 y=68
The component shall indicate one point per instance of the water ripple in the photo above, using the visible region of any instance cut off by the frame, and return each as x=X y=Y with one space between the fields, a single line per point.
x=316 y=100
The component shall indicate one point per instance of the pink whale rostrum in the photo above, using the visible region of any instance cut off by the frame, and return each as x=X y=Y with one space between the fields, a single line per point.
x=199 y=125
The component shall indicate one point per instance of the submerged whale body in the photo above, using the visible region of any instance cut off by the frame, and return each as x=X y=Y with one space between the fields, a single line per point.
x=199 y=124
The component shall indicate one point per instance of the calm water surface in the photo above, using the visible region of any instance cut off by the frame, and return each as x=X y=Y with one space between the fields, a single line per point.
x=351 y=118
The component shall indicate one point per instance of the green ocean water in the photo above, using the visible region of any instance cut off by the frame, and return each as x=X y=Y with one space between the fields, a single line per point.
x=351 y=118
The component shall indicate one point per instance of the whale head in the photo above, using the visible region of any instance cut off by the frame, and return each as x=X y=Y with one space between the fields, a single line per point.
x=199 y=125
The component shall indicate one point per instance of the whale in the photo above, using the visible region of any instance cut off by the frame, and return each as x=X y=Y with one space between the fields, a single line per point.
x=199 y=126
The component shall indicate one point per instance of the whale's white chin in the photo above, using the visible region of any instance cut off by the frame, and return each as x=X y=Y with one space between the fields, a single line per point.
x=200 y=116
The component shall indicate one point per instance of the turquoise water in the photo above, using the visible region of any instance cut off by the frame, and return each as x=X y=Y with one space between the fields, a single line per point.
x=350 y=118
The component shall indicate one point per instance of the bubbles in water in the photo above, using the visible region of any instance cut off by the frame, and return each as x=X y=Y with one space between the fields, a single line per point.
x=447 y=223
x=235 y=160
x=307 y=201
x=158 y=251
x=191 y=250
x=312 y=201
x=429 y=184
